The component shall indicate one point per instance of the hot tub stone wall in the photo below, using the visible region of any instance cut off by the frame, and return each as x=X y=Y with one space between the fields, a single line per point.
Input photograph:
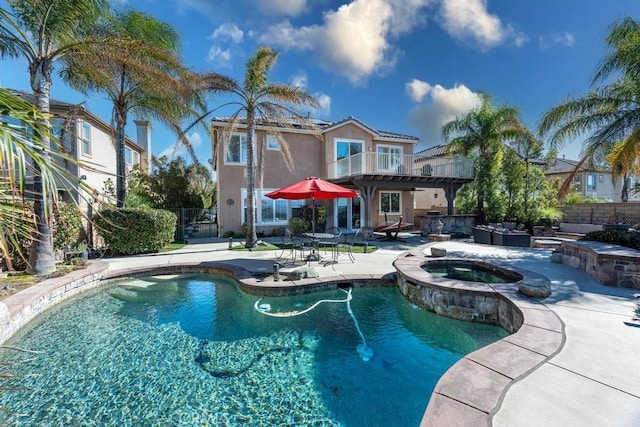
x=609 y=264
x=469 y=301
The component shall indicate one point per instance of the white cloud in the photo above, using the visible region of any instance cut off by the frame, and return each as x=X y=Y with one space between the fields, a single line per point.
x=325 y=104
x=300 y=80
x=178 y=150
x=356 y=39
x=282 y=7
x=222 y=57
x=469 y=20
x=565 y=39
x=443 y=105
x=228 y=31
x=417 y=89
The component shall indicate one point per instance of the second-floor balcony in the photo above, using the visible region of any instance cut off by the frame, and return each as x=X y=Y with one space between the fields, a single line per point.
x=397 y=164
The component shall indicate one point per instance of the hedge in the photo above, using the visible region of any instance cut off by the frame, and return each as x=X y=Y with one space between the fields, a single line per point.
x=135 y=231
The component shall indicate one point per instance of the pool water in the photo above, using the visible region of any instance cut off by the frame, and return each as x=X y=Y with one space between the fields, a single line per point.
x=192 y=350
x=469 y=272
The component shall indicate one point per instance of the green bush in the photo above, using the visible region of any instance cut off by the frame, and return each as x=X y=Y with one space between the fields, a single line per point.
x=299 y=225
x=630 y=239
x=277 y=231
x=229 y=233
x=136 y=231
x=67 y=222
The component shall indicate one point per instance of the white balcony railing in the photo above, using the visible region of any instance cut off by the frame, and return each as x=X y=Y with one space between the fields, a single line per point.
x=395 y=164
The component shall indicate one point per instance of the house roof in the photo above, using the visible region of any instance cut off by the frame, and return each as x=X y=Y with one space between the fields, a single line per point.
x=57 y=105
x=323 y=126
x=441 y=151
x=431 y=152
x=566 y=166
x=376 y=132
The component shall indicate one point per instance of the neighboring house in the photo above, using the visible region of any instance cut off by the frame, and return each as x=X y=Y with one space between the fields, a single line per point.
x=589 y=180
x=379 y=165
x=90 y=141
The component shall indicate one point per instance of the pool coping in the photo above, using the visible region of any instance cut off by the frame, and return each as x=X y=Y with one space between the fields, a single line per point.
x=469 y=393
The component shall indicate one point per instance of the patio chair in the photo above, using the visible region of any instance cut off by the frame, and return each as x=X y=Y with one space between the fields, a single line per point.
x=302 y=247
x=331 y=243
x=347 y=246
x=286 y=245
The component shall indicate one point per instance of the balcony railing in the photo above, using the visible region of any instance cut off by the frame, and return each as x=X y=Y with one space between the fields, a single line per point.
x=396 y=164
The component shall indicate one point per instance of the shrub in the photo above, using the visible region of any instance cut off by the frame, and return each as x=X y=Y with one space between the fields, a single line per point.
x=229 y=233
x=136 y=231
x=299 y=225
x=630 y=239
x=277 y=231
x=67 y=222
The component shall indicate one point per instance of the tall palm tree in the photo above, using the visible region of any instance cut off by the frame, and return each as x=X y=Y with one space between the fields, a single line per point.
x=270 y=104
x=484 y=130
x=18 y=153
x=44 y=31
x=609 y=114
x=146 y=79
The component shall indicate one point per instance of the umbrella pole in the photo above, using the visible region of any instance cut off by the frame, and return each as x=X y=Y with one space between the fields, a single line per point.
x=313 y=215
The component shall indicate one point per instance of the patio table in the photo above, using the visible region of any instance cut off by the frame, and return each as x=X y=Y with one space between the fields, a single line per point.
x=316 y=238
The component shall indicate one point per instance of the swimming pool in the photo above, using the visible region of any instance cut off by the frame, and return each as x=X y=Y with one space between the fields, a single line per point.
x=192 y=350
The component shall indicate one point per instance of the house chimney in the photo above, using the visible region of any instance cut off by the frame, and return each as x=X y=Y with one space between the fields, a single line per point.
x=143 y=139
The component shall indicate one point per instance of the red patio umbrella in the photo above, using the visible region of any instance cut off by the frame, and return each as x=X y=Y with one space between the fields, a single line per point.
x=312 y=188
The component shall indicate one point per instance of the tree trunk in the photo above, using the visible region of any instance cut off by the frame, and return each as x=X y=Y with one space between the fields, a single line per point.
x=624 y=197
x=121 y=178
x=41 y=255
x=252 y=237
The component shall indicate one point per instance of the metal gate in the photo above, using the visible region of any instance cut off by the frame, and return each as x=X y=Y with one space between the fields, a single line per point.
x=196 y=223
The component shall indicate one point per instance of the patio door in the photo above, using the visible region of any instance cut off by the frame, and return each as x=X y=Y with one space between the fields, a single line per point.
x=349 y=157
x=348 y=213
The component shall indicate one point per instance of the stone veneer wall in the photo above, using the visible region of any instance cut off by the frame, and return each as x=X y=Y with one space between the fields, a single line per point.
x=611 y=265
x=451 y=224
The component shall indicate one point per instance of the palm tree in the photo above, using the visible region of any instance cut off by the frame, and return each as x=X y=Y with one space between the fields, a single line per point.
x=609 y=115
x=44 y=31
x=17 y=145
x=270 y=104
x=147 y=78
x=484 y=130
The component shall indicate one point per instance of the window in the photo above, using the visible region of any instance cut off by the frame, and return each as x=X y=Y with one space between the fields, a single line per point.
x=272 y=143
x=85 y=138
x=389 y=158
x=237 y=149
x=577 y=183
x=270 y=211
x=390 y=202
x=131 y=157
x=591 y=182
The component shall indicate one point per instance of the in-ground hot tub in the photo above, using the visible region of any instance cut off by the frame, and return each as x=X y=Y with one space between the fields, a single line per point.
x=470 y=271
x=466 y=288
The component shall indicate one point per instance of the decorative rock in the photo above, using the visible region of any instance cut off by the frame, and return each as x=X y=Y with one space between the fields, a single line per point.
x=536 y=288
x=556 y=257
x=302 y=273
x=438 y=252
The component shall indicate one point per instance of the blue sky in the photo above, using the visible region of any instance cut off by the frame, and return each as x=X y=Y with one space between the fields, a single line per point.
x=406 y=66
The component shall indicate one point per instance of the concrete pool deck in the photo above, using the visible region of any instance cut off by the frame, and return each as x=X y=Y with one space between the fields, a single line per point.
x=594 y=380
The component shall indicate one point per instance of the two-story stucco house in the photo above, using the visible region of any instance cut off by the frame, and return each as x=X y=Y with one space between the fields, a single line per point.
x=379 y=165
x=89 y=141
x=590 y=181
